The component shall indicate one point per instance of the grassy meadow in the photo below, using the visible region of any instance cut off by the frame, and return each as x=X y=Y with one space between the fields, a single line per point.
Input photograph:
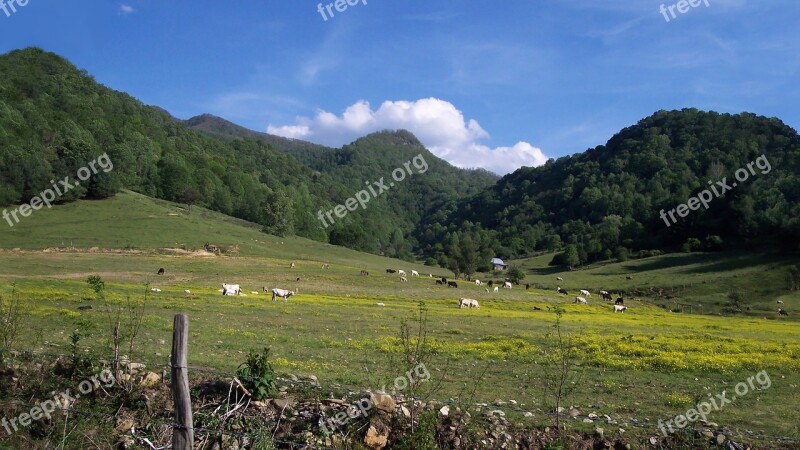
x=638 y=367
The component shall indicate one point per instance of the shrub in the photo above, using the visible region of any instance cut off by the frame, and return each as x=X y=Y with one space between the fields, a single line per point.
x=257 y=374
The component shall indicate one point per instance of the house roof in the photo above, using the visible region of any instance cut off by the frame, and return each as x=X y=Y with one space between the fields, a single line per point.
x=498 y=261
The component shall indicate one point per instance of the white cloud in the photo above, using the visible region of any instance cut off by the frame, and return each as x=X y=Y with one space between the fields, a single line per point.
x=126 y=9
x=440 y=126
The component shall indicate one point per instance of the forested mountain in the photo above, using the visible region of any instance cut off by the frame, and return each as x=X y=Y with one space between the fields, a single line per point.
x=220 y=128
x=607 y=201
x=55 y=118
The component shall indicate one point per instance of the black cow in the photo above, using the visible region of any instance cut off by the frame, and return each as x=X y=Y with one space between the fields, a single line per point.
x=440 y=282
x=782 y=312
x=527 y=286
x=619 y=301
x=452 y=284
x=390 y=271
x=490 y=283
x=161 y=271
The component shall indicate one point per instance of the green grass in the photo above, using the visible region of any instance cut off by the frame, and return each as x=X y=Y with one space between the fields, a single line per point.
x=642 y=364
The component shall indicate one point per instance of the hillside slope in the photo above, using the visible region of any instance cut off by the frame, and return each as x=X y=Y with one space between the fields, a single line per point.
x=609 y=199
x=55 y=118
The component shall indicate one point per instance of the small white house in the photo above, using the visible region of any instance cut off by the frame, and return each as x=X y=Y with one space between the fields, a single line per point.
x=498 y=264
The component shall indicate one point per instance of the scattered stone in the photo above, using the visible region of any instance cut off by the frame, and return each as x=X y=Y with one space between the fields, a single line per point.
x=445 y=411
x=527 y=414
x=383 y=402
x=599 y=432
x=721 y=438
x=150 y=379
x=375 y=439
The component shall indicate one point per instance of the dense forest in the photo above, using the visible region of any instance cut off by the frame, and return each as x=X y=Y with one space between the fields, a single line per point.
x=54 y=118
x=600 y=204
x=606 y=202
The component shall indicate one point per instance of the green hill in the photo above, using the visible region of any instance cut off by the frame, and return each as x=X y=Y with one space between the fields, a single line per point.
x=608 y=200
x=54 y=119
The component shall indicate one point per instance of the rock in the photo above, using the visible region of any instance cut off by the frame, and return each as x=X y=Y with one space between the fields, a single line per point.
x=721 y=438
x=445 y=411
x=124 y=425
x=134 y=366
x=375 y=439
x=653 y=441
x=284 y=403
x=405 y=412
x=708 y=433
x=383 y=402
x=527 y=414
x=314 y=380
x=513 y=402
x=599 y=432
x=588 y=420
x=333 y=401
x=560 y=409
x=593 y=415
x=499 y=402
x=126 y=442
x=150 y=379
x=260 y=405
x=574 y=412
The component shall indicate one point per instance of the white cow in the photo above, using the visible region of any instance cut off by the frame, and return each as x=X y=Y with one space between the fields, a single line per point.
x=559 y=279
x=186 y=291
x=585 y=293
x=402 y=273
x=155 y=290
x=580 y=300
x=620 y=308
x=507 y=284
x=281 y=293
x=380 y=304
x=403 y=279
x=414 y=273
x=496 y=289
x=487 y=290
x=468 y=303
x=230 y=289
x=478 y=282
x=254 y=292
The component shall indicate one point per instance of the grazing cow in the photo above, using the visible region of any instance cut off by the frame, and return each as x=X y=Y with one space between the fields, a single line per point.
x=452 y=284
x=536 y=308
x=629 y=277
x=620 y=308
x=403 y=280
x=297 y=279
x=780 y=302
x=527 y=286
x=291 y=266
x=281 y=293
x=478 y=283
x=444 y=279
x=85 y=307
x=364 y=273
x=507 y=284
x=326 y=266
x=402 y=273
x=559 y=279
x=430 y=275
x=496 y=289
x=782 y=312
x=414 y=273
x=606 y=295
x=561 y=291
x=619 y=300
x=490 y=283
x=468 y=303
x=380 y=304
x=439 y=282
x=487 y=290
x=161 y=271
x=186 y=291
x=391 y=271
x=230 y=289
x=581 y=300
x=155 y=289
x=585 y=293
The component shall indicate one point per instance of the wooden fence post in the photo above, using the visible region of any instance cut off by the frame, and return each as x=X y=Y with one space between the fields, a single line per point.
x=183 y=433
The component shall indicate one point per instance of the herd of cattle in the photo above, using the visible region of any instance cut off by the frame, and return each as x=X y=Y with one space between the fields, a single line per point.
x=619 y=303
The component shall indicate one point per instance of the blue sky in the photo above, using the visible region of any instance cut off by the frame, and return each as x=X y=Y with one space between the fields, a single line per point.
x=493 y=84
